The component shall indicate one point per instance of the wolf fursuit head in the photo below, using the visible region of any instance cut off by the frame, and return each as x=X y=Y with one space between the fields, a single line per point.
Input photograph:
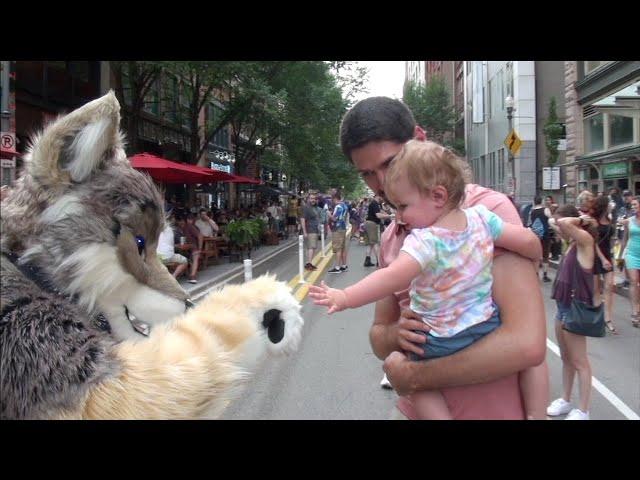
x=80 y=229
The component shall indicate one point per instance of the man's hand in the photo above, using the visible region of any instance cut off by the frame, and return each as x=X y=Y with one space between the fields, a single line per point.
x=396 y=367
x=407 y=338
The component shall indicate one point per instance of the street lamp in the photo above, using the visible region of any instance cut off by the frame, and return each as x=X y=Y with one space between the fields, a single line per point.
x=509 y=104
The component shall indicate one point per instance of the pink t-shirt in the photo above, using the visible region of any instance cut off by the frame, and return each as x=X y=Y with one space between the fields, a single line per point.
x=501 y=398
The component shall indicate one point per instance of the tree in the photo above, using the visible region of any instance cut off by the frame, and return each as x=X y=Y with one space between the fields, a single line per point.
x=133 y=82
x=552 y=132
x=431 y=107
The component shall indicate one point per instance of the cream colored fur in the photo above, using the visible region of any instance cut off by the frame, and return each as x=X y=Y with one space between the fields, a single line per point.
x=192 y=367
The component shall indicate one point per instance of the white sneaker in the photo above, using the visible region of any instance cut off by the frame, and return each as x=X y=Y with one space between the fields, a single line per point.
x=558 y=407
x=384 y=383
x=577 y=414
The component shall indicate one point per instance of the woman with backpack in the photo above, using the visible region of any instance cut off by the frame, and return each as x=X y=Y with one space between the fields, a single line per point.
x=540 y=226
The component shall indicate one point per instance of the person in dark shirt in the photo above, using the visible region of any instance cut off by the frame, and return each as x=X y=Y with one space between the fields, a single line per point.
x=372 y=226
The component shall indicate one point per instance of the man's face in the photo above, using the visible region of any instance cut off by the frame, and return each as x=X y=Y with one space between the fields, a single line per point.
x=627 y=199
x=313 y=199
x=372 y=162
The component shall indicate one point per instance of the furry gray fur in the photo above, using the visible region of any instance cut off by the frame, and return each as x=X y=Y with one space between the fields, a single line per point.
x=50 y=355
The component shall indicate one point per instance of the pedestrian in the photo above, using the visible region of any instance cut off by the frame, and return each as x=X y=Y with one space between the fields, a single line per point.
x=631 y=247
x=573 y=281
x=603 y=265
x=340 y=218
x=372 y=227
x=584 y=202
x=540 y=226
x=446 y=259
x=310 y=221
x=555 y=243
x=166 y=250
x=480 y=382
x=292 y=216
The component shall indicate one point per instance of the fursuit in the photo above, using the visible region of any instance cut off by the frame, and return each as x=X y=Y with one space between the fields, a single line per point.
x=79 y=235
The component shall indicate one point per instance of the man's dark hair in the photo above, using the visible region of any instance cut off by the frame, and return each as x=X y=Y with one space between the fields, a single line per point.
x=376 y=119
x=537 y=200
x=203 y=210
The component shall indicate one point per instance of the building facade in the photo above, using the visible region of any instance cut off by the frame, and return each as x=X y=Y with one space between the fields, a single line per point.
x=603 y=126
x=530 y=85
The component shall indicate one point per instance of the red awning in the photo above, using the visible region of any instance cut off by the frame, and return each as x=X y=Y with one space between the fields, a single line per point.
x=166 y=171
x=9 y=153
x=241 y=179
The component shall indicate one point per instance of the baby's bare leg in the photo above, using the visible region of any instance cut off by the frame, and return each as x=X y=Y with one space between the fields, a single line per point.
x=534 y=385
x=430 y=405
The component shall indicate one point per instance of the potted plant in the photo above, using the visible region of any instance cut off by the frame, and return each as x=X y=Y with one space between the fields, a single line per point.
x=243 y=234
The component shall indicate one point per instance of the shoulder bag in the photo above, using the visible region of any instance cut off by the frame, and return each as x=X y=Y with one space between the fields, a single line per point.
x=584 y=319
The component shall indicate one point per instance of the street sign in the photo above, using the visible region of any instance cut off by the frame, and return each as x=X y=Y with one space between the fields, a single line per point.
x=8 y=142
x=551 y=178
x=513 y=142
x=8 y=162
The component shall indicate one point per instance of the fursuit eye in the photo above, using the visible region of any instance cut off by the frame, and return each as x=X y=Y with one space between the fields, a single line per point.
x=140 y=242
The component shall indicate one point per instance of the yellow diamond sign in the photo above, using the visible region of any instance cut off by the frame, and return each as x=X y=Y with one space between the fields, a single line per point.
x=513 y=142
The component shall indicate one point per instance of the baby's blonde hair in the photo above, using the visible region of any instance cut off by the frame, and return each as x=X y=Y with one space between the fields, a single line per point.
x=427 y=165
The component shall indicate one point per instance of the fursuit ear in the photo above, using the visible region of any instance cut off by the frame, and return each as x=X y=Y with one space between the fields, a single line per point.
x=73 y=146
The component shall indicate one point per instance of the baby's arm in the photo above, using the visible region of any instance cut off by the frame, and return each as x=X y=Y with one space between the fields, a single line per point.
x=376 y=286
x=520 y=240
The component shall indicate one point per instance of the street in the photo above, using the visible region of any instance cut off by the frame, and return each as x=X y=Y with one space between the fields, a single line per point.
x=335 y=375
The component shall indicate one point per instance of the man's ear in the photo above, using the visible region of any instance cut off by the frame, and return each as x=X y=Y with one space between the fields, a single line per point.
x=440 y=196
x=74 y=146
x=419 y=133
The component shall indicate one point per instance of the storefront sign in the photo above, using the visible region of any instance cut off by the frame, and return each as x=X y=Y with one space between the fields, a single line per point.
x=615 y=170
x=222 y=168
x=551 y=178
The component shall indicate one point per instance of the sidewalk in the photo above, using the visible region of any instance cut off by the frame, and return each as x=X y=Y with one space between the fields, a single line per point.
x=216 y=273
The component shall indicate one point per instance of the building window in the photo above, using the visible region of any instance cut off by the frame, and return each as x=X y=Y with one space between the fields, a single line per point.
x=501 y=169
x=500 y=88
x=590 y=67
x=152 y=99
x=594 y=133
x=620 y=130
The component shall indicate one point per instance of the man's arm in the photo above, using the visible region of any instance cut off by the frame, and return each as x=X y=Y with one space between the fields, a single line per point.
x=388 y=334
x=519 y=343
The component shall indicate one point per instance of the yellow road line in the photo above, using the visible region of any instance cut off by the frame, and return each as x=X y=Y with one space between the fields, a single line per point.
x=311 y=279
x=294 y=282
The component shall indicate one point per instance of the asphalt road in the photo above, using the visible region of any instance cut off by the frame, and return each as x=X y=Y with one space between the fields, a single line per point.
x=335 y=375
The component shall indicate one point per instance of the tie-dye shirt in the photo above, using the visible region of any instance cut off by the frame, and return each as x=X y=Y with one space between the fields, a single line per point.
x=453 y=292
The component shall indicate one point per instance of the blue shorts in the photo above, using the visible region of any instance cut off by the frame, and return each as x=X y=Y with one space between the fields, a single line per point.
x=443 y=346
x=563 y=312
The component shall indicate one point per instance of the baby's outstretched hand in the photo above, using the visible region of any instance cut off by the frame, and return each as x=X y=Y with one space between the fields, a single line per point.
x=333 y=298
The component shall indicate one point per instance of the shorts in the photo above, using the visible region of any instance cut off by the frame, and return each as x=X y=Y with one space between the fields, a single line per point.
x=442 y=346
x=175 y=258
x=292 y=220
x=312 y=240
x=338 y=238
x=373 y=232
x=564 y=311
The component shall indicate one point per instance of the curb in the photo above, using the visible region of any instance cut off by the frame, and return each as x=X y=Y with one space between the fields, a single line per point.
x=204 y=287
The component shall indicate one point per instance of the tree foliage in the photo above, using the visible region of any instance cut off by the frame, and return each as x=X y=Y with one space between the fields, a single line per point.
x=286 y=114
x=552 y=132
x=431 y=106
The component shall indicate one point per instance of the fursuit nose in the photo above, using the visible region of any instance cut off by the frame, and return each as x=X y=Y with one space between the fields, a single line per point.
x=274 y=324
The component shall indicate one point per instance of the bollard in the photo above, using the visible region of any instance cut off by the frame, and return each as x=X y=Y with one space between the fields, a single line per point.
x=321 y=227
x=248 y=274
x=301 y=258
